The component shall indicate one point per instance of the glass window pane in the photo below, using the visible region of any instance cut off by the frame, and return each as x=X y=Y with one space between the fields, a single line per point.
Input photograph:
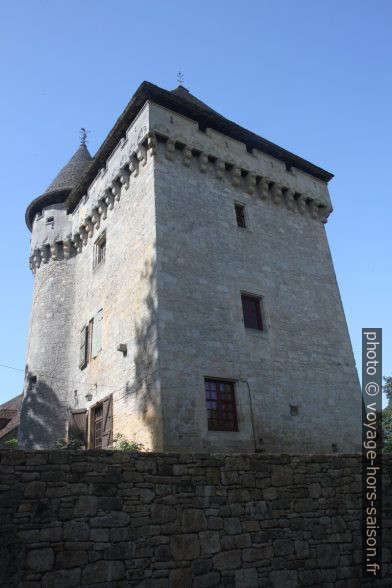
x=251 y=312
x=220 y=405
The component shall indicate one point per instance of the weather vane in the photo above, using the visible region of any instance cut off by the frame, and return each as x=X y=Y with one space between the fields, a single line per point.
x=180 y=77
x=83 y=135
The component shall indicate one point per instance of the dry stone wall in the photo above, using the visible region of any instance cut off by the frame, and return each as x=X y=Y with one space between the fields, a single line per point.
x=116 y=519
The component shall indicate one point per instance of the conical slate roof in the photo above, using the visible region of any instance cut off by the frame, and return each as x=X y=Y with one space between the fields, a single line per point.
x=71 y=173
x=63 y=184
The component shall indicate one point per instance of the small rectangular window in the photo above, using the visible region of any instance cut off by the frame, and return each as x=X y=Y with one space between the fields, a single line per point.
x=99 y=250
x=240 y=215
x=50 y=220
x=220 y=404
x=251 y=308
x=91 y=340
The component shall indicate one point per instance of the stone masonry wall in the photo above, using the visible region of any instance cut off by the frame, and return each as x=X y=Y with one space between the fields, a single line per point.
x=296 y=384
x=117 y=519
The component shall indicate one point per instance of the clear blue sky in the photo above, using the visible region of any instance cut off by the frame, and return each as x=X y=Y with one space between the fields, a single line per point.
x=312 y=76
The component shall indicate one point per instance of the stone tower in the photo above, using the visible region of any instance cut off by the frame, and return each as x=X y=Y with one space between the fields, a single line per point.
x=45 y=404
x=185 y=295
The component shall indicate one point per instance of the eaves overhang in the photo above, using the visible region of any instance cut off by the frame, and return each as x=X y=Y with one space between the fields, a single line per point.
x=46 y=199
x=205 y=117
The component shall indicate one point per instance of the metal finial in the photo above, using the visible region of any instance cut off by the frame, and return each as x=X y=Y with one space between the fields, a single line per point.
x=180 y=77
x=83 y=136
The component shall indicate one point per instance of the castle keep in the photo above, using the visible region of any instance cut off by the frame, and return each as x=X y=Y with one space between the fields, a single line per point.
x=185 y=295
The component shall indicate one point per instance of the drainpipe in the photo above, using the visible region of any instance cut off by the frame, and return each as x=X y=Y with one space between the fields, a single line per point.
x=251 y=414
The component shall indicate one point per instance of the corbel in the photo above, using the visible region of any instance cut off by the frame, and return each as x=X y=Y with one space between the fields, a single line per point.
x=170 y=147
x=116 y=190
x=124 y=178
x=83 y=234
x=77 y=241
x=53 y=251
x=323 y=213
x=45 y=253
x=151 y=144
x=133 y=167
x=235 y=176
x=313 y=209
x=220 y=167
x=301 y=204
x=250 y=182
x=276 y=194
x=203 y=162
x=141 y=155
x=109 y=199
x=66 y=248
x=187 y=156
x=102 y=208
x=88 y=224
x=37 y=257
x=289 y=200
x=95 y=217
x=263 y=189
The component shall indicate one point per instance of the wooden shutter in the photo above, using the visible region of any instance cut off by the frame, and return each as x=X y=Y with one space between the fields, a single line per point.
x=77 y=428
x=96 y=344
x=83 y=347
x=107 y=435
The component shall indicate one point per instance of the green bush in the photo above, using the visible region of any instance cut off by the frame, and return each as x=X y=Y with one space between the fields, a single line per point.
x=12 y=443
x=73 y=443
x=387 y=428
x=121 y=443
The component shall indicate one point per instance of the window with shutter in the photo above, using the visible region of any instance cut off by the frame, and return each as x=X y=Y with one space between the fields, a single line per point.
x=107 y=425
x=91 y=340
x=83 y=356
x=97 y=333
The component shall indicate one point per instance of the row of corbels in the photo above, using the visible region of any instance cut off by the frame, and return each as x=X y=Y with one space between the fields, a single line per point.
x=60 y=249
x=120 y=180
x=253 y=183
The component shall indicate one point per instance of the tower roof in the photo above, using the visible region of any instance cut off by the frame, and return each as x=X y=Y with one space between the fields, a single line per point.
x=63 y=183
x=185 y=94
x=74 y=179
x=182 y=101
x=71 y=173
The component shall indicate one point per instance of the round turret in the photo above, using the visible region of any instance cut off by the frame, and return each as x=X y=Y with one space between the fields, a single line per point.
x=45 y=406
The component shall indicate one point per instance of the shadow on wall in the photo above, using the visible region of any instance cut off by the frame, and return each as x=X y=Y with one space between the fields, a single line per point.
x=43 y=417
x=145 y=385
